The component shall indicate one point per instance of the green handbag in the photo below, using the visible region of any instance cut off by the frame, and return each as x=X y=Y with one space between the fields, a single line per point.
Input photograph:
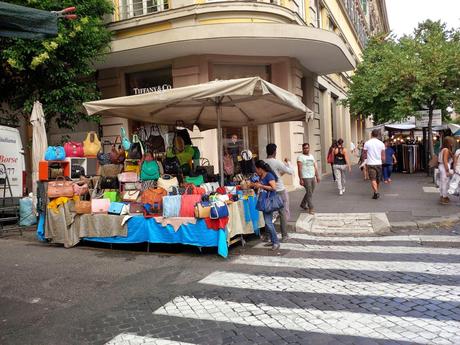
x=112 y=195
x=196 y=180
x=150 y=171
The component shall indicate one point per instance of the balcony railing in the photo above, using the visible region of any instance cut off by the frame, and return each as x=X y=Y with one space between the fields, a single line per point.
x=125 y=9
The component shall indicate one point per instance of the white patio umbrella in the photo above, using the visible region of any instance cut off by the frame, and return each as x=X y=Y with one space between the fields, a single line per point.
x=216 y=104
x=39 y=141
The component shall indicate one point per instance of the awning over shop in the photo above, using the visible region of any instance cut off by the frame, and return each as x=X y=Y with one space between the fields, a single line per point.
x=320 y=51
x=25 y=22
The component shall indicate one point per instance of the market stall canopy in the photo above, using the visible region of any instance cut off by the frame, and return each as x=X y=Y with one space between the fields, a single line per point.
x=243 y=102
x=25 y=22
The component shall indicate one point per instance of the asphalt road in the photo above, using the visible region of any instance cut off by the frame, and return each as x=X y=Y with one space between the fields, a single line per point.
x=403 y=289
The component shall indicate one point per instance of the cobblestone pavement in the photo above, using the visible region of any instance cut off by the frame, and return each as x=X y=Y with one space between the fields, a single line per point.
x=394 y=290
x=402 y=289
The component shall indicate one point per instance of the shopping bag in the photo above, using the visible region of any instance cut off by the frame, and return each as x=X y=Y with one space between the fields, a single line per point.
x=91 y=145
x=73 y=149
x=171 y=205
x=55 y=153
x=188 y=201
x=219 y=209
x=60 y=188
x=112 y=195
x=116 y=208
x=100 y=205
x=150 y=171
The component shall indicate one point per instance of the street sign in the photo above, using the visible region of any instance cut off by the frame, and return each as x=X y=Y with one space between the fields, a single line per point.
x=421 y=118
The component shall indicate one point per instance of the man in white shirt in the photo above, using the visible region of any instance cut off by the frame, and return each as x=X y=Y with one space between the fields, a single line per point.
x=309 y=176
x=374 y=152
x=280 y=168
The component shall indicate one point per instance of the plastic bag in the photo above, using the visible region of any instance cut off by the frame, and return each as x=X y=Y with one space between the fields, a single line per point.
x=26 y=212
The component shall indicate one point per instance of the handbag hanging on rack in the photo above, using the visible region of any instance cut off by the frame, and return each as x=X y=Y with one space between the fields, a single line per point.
x=55 y=153
x=125 y=143
x=137 y=150
x=73 y=149
x=117 y=154
x=155 y=142
x=91 y=145
x=149 y=170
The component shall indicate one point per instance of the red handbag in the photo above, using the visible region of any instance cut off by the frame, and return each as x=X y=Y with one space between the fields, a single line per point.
x=73 y=149
x=187 y=206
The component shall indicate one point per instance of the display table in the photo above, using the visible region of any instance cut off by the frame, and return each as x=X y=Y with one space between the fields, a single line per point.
x=243 y=219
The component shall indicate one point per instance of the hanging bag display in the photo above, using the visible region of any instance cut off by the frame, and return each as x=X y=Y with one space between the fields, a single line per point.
x=171 y=205
x=229 y=168
x=171 y=165
x=150 y=171
x=55 y=153
x=136 y=150
x=124 y=139
x=60 y=188
x=155 y=141
x=91 y=145
x=100 y=205
x=73 y=149
x=117 y=154
x=182 y=132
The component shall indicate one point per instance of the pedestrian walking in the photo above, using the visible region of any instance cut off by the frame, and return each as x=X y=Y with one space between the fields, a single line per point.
x=341 y=164
x=280 y=169
x=267 y=182
x=390 y=160
x=445 y=169
x=308 y=174
x=374 y=152
x=330 y=157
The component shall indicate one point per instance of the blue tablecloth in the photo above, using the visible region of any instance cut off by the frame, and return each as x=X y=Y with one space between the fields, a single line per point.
x=141 y=230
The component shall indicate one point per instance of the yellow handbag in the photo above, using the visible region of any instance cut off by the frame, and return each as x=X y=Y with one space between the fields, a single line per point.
x=91 y=145
x=132 y=165
x=202 y=210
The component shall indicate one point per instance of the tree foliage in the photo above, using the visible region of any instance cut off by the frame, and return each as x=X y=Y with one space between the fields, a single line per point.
x=416 y=72
x=58 y=71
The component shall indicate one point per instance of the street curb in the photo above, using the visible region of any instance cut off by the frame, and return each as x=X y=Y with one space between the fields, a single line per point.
x=435 y=222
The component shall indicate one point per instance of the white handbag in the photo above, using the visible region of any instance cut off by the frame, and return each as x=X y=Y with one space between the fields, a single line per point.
x=210 y=187
x=167 y=181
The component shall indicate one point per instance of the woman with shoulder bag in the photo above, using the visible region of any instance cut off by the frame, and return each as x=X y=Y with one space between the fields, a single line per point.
x=267 y=189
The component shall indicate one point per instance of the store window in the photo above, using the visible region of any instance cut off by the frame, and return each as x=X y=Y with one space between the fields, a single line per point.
x=149 y=81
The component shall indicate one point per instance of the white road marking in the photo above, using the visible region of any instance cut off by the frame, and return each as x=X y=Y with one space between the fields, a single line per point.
x=132 y=339
x=335 y=264
x=412 y=238
x=304 y=320
x=332 y=286
x=431 y=189
x=367 y=249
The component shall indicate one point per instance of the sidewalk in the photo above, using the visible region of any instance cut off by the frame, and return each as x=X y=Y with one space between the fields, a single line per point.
x=411 y=201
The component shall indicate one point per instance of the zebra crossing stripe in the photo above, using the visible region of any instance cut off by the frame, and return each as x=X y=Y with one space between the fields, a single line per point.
x=343 y=323
x=335 y=264
x=367 y=249
x=412 y=238
x=332 y=286
x=132 y=339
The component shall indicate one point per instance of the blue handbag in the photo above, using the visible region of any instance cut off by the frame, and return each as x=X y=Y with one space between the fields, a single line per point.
x=116 y=208
x=55 y=153
x=268 y=202
x=124 y=140
x=219 y=209
x=171 y=205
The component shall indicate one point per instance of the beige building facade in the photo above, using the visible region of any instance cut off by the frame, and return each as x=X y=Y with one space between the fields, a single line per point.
x=309 y=48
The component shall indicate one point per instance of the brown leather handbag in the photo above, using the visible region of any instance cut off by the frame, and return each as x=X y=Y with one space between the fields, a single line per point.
x=136 y=208
x=154 y=196
x=60 y=188
x=82 y=207
x=117 y=155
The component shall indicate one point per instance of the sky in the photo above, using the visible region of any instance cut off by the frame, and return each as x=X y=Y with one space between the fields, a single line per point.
x=404 y=15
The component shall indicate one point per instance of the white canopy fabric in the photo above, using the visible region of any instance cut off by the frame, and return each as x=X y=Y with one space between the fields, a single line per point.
x=39 y=142
x=216 y=104
x=244 y=102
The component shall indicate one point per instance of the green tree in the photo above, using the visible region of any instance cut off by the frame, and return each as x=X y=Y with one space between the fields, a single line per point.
x=58 y=71
x=396 y=78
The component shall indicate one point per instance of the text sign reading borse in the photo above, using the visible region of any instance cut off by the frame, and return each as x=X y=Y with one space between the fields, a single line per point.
x=138 y=91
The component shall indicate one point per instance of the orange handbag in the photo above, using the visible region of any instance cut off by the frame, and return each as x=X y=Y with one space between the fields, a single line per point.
x=153 y=196
x=60 y=188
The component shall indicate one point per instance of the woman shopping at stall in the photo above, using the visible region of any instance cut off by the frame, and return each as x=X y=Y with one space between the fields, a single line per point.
x=268 y=200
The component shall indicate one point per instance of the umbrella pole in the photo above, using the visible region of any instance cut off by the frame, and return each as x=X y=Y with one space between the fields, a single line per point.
x=219 y=142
